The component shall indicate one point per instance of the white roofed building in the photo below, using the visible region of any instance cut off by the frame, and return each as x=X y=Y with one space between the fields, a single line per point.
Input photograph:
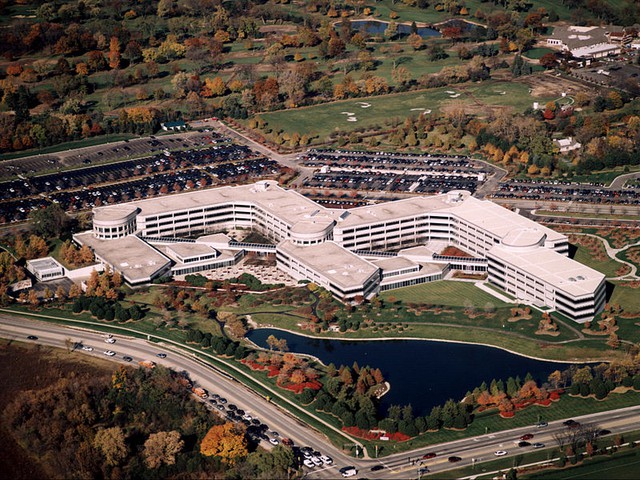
x=341 y=250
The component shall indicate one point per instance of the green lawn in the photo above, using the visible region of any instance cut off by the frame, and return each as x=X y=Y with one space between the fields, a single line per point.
x=321 y=120
x=608 y=267
x=537 y=53
x=622 y=465
x=445 y=292
x=628 y=297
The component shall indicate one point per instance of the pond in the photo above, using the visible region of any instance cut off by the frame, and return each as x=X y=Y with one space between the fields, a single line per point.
x=422 y=373
x=376 y=27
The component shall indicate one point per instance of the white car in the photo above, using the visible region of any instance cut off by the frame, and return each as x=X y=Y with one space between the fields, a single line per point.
x=316 y=461
x=327 y=460
x=500 y=453
x=274 y=441
x=109 y=353
x=87 y=348
x=110 y=340
x=308 y=463
x=348 y=471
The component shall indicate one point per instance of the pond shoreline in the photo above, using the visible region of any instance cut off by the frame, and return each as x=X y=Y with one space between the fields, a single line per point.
x=385 y=339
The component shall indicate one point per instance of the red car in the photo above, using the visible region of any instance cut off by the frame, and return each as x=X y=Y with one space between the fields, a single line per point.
x=429 y=455
x=526 y=436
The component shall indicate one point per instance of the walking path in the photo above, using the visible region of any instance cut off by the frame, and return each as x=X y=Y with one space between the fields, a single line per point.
x=613 y=252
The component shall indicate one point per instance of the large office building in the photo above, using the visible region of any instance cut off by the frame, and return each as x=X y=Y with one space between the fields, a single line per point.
x=352 y=253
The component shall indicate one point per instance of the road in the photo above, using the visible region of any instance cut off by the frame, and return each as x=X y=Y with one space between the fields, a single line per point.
x=476 y=449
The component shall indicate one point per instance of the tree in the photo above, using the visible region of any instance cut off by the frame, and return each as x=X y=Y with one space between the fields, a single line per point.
x=224 y=441
x=162 y=447
x=111 y=442
x=50 y=221
x=114 y=53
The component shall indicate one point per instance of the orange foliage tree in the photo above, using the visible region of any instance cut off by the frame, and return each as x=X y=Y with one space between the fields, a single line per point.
x=224 y=441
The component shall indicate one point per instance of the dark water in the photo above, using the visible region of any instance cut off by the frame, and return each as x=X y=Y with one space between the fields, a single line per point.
x=375 y=27
x=421 y=373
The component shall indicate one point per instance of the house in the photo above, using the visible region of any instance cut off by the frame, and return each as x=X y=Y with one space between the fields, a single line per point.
x=567 y=144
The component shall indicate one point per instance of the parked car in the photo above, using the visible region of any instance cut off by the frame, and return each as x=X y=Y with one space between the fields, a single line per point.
x=325 y=459
x=308 y=463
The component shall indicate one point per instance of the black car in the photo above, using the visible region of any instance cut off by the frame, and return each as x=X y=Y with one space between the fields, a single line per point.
x=454 y=459
x=161 y=355
x=524 y=444
x=32 y=337
x=232 y=407
x=377 y=468
x=127 y=358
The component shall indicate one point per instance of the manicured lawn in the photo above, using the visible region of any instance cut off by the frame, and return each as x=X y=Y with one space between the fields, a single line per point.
x=608 y=267
x=622 y=465
x=445 y=292
x=537 y=53
x=628 y=297
x=321 y=120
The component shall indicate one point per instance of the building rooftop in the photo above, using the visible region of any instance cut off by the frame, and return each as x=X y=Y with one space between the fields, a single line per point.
x=563 y=273
x=393 y=264
x=113 y=213
x=340 y=266
x=483 y=213
x=46 y=263
x=186 y=250
x=288 y=205
x=135 y=259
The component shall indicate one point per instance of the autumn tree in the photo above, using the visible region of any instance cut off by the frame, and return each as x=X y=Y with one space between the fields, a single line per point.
x=224 y=441
x=162 y=447
x=111 y=443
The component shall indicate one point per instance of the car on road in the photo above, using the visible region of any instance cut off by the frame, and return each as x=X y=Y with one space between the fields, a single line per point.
x=87 y=348
x=161 y=355
x=423 y=470
x=454 y=459
x=325 y=458
x=538 y=445
x=542 y=424
x=571 y=424
x=603 y=432
x=127 y=358
x=500 y=453
x=109 y=353
x=349 y=471
x=429 y=455
x=526 y=436
x=274 y=441
x=32 y=337
x=110 y=340
x=523 y=444
x=308 y=463
x=377 y=468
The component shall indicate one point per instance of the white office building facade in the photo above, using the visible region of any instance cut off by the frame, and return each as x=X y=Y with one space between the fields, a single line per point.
x=333 y=247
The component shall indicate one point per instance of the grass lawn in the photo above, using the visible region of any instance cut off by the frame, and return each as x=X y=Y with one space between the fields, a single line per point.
x=537 y=53
x=321 y=120
x=445 y=292
x=608 y=267
x=628 y=297
x=621 y=465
